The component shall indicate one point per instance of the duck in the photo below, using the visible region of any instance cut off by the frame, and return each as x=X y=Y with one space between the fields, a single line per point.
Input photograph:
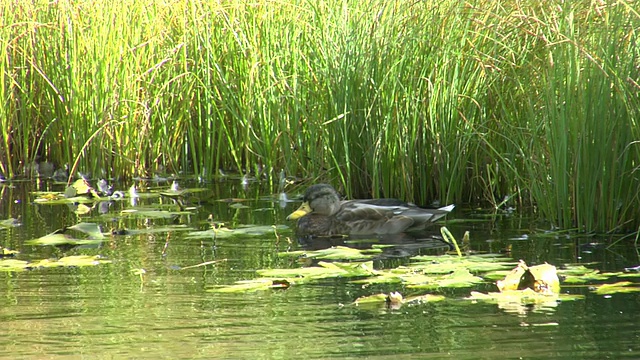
x=323 y=213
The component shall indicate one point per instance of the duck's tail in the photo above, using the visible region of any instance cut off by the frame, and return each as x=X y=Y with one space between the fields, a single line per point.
x=447 y=208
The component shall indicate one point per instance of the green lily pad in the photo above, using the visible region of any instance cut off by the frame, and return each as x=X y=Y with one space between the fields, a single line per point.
x=457 y=279
x=67 y=261
x=244 y=230
x=81 y=187
x=60 y=239
x=593 y=275
x=474 y=263
x=9 y=223
x=336 y=253
x=619 y=287
x=394 y=300
x=13 y=265
x=629 y=275
x=91 y=229
x=252 y=285
x=150 y=213
x=153 y=230
x=7 y=252
x=520 y=301
x=61 y=200
x=375 y=299
x=324 y=270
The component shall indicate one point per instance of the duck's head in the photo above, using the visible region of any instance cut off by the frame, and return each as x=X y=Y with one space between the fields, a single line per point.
x=320 y=199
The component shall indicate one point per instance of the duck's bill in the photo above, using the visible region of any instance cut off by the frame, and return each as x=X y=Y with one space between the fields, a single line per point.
x=303 y=210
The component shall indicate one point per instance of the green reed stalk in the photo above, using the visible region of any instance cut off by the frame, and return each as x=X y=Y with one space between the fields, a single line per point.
x=486 y=101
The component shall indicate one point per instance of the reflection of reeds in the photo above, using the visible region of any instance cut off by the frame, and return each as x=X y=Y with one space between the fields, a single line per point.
x=481 y=101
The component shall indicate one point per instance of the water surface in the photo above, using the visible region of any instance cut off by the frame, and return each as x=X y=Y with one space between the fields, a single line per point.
x=109 y=311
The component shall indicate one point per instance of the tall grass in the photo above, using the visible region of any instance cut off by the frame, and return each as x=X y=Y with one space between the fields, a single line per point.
x=503 y=103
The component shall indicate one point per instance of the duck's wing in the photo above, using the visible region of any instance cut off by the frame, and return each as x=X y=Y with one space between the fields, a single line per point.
x=368 y=217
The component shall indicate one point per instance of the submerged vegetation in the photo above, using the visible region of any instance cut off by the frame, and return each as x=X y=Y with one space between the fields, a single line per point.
x=508 y=103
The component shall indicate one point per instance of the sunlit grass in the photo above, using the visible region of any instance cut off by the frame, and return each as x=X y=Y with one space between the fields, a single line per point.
x=492 y=102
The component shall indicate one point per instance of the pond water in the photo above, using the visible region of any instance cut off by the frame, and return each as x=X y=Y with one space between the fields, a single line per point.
x=147 y=303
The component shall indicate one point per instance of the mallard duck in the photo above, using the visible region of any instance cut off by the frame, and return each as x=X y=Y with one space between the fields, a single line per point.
x=322 y=213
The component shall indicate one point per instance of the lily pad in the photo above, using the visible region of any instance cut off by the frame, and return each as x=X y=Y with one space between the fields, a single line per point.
x=619 y=287
x=394 y=299
x=457 y=279
x=245 y=230
x=4 y=252
x=520 y=301
x=152 y=230
x=81 y=187
x=252 y=285
x=67 y=261
x=60 y=239
x=91 y=229
x=336 y=253
x=12 y=265
x=9 y=223
x=150 y=213
x=594 y=275
x=474 y=263
x=324 y=270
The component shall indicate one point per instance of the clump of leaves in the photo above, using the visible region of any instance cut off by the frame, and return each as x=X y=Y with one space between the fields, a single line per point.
x=542 y=279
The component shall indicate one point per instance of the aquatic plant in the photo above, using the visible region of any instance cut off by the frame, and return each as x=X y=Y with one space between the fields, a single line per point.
x=484 y=101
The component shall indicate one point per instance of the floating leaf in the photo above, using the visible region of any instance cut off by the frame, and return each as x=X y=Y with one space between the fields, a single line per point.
x=520 y=301
x=245 y=230
x=81 y=187
x=91 y=229
x=629 y=275
x=9 y=223
x=592 y=275
x=474 y=263
x=541 y=279
x=325 y=270
x=4 y=252
x=153 y=213
x=251 y=285
x=80 y=260
x=60 y=200
x=60 y=239
x=376 y=299
x=47 y=196
x=575 y=270
x=152 y=230
x=336 y=253
x=619 y=287
x=13 y=265
x=282 y=278
x=424 y=298
x=395 y=299
x=76 y=260
x=457 y=279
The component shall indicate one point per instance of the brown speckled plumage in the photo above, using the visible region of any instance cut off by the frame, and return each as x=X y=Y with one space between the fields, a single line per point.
x=327 y=215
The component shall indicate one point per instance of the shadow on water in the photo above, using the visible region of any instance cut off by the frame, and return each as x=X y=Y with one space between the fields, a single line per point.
x=392 y=245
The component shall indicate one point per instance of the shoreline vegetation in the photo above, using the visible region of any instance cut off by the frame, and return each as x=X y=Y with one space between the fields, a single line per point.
x=518 y=103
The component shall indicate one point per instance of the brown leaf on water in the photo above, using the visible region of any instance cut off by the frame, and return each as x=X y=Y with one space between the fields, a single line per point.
x=542 y=279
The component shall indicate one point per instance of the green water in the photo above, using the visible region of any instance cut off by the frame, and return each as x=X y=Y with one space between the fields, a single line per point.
x=108 y=311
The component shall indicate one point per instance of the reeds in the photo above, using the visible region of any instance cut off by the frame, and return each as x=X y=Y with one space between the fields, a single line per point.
x=503 y=103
